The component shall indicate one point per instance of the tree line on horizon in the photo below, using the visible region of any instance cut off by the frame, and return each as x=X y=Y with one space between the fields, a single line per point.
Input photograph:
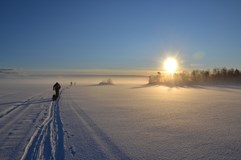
x=216 y=76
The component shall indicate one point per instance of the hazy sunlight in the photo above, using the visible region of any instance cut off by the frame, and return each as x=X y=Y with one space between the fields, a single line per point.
x=170 y=65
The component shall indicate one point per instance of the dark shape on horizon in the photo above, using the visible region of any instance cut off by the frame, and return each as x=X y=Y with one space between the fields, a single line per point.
x=107 y=82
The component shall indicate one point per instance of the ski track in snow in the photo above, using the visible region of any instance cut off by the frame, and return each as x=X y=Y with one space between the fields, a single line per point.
x=44 y=137
x=18 y=123
x=31 y=100
x=47 y=140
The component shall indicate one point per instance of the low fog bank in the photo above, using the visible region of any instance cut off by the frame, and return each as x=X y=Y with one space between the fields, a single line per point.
x=78 y=77
x=116 y=77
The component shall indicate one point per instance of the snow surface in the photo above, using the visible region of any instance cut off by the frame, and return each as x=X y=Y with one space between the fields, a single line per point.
x=122 y=121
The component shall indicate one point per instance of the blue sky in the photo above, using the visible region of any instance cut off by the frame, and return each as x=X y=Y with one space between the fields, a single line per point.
x=119 y=34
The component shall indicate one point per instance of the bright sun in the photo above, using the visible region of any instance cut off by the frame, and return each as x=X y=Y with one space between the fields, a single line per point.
x=170 y=65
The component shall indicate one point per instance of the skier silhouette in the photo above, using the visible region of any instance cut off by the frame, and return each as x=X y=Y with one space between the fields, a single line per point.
x=56 y=88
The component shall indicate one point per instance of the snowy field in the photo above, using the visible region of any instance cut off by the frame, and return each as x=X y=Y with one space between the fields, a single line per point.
x=122 y=121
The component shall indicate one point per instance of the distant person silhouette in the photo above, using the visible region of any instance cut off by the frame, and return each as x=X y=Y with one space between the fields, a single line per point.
x=56 y=88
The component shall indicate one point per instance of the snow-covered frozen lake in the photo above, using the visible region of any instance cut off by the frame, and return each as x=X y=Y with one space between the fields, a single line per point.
x=122 y=121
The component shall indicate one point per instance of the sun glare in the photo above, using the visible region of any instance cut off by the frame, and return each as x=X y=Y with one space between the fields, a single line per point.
x=170 y=65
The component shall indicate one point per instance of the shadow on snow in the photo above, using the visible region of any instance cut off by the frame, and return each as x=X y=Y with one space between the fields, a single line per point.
x=97 y=145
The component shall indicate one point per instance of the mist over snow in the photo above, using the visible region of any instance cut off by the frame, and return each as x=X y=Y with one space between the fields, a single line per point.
x=127 y=120
x=49 y=76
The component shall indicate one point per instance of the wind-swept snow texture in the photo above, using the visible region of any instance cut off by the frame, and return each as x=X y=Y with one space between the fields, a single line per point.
x=92 y=122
